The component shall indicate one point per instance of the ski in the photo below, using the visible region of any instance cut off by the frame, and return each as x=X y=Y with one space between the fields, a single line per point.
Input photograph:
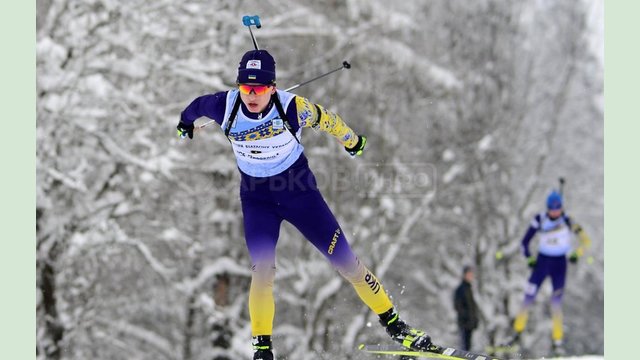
x=439 y=352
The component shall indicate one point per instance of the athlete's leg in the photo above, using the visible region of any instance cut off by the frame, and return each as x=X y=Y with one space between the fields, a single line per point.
x=538 y=275
x=306 y=209
x=312 y=217
x=310 y=214
x=558 y=275
x=261 y=227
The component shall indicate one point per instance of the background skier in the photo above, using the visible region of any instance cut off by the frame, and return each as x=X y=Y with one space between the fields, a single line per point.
x=555 y=230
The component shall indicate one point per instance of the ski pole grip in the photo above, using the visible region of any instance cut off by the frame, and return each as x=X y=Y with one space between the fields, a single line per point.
x=252 y=20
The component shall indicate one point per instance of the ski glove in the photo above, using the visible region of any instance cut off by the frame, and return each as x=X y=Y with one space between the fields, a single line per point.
x=532 y=261
x=358 y=148
x=185 y=130
x=573 y=258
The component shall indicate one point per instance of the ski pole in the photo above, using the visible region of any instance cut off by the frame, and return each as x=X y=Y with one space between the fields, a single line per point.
x=252 y=20
x=561 y=180
x=345 y=65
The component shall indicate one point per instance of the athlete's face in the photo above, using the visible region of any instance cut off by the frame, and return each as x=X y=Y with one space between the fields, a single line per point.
x=554 y=214
x=256 y=96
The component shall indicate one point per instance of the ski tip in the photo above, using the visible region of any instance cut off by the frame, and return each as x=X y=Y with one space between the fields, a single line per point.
x=361 y=346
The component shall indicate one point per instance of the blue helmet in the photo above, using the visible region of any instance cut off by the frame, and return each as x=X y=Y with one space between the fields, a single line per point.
x=554 y=201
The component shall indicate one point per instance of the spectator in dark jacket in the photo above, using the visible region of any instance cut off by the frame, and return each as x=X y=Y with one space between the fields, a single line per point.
x=466 y=308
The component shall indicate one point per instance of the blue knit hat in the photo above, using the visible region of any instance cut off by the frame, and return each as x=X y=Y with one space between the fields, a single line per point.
x=257 y=66
x=554 y=201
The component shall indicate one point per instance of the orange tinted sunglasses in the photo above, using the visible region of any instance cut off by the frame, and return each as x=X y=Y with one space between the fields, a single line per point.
x=257 y=89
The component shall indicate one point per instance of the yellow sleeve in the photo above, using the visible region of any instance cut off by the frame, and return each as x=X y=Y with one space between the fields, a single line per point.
x=317 y=117
x=585 y=241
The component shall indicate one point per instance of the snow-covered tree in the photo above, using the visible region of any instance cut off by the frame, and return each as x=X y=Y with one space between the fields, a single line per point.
x=472 y=111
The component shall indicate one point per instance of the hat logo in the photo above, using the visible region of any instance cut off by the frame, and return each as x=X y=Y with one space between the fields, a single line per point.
x=254 y=64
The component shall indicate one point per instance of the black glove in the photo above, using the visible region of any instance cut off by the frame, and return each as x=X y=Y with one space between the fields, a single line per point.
x=358 y=147
x=573 y=258
x=185 y=130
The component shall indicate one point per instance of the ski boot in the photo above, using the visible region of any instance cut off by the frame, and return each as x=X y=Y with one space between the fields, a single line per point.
x=557 y=348
x=509 y=346
x=404 y=334
x=512 y=345
x=262 y=348
x=513 y=341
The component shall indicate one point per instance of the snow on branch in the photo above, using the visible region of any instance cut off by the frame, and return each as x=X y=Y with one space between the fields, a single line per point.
x=133 y=331
x=328 y=290
x=146 y=253
x=159 y=165
x=403 y=234
x=144 y=250
x=223 y=265
x=66 y=180
x=199 y=77
x=293 y=31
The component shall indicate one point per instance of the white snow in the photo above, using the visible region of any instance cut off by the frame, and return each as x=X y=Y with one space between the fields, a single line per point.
x=448 y=155
x=99 y=85
x=453 y=171
x=485 y=143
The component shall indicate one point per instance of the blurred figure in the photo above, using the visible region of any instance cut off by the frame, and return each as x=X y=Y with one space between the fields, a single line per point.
x=466 y=308
x=556 y=231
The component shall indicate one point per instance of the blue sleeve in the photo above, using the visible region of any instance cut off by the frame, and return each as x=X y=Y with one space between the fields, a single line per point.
x=531 y=232
x=212 y=106
x=568 y=221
